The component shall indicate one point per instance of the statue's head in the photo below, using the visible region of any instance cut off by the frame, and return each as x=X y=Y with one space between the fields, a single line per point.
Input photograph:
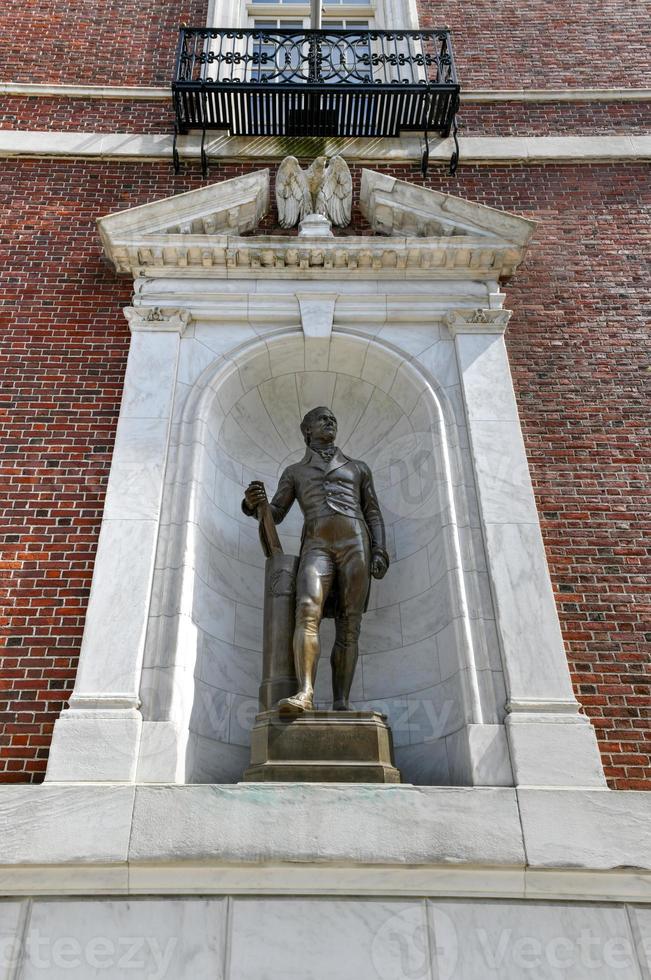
x=319 y=423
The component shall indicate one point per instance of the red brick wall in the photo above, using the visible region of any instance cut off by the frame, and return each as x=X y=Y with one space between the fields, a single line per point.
x=580 y=358
x=553 y=118
x=87 y=115
x=499 y=43
x=110 y=42
x=546 y=44
x=476 y=119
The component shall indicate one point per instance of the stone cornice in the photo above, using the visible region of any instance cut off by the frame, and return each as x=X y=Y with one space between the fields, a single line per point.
x=483 y=150
x=144 y=93
x=276 y=257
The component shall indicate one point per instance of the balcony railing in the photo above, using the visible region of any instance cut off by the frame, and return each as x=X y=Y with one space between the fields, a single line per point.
x=268 y=82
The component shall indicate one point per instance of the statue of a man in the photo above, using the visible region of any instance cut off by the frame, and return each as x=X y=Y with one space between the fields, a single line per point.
x=342 y=546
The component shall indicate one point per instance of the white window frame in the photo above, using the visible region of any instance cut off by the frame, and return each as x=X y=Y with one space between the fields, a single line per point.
x=381 y=14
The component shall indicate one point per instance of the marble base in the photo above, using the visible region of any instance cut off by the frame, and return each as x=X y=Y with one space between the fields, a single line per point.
x=570 y=757
x=322 y=747
x=351 y=938
x=95 y=746
x=324 y=839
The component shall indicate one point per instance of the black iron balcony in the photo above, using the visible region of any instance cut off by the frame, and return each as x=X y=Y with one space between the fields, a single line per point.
x=268 y=82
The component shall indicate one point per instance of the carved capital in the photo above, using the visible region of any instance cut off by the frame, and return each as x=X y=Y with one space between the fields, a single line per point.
x=477 y=321
x=157 y=319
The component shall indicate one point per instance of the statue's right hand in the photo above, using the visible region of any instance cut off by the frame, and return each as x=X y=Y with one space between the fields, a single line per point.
x=255 y=494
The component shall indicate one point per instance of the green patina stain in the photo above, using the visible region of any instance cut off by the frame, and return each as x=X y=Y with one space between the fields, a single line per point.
x=307 y=146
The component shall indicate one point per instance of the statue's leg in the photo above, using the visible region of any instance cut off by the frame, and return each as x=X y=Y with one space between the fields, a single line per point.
x=353 y=576
x=344 y=658
x=313 y=582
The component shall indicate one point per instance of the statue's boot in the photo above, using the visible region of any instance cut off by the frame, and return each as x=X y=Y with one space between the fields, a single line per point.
x=342 y=706
x=343 y=660
x=296 y=705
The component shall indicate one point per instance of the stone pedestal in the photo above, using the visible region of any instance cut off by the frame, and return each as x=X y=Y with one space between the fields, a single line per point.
x=322 y=747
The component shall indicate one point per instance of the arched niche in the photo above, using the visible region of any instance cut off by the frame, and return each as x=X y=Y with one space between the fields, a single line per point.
x=429 y=655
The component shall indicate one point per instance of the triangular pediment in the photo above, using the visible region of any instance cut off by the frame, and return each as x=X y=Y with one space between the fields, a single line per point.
x=233 y=207
x=418 y=233
x=399 y=208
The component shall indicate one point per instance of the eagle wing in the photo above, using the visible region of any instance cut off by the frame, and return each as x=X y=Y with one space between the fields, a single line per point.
x=293 y=197
x=335 y=196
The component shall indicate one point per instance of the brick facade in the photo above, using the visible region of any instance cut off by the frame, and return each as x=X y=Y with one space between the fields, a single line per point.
x=476 y=119
x=541 y=44
x=529 y=44
x=578 y=340
x=115 y=42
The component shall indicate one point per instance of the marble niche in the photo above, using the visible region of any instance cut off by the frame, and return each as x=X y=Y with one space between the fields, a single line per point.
x=429 y=653
x=234 y=336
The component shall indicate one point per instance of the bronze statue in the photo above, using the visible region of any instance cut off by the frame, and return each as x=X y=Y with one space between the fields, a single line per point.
x=342 y=546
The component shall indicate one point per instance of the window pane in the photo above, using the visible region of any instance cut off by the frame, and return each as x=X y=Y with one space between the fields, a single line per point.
x=284 y=23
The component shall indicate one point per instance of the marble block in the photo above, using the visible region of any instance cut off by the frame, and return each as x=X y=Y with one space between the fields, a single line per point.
x=514 y=940
x=346 y=939
x=640 y=919
x=153 y=938
x=42 y=824
x=596 y=829
x=10 y=944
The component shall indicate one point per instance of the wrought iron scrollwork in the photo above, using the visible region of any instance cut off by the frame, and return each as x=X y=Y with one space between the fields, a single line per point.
x=353 y=82
x=333 y=56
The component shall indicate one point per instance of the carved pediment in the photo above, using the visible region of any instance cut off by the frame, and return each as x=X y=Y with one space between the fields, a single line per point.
x=419 y=234
x=232 y=207
x=398 y=208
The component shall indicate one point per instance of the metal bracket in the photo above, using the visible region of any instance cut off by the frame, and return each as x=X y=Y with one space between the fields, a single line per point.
x=454 y=159
x=204 y=156
x=424 y=160
x=176 y=160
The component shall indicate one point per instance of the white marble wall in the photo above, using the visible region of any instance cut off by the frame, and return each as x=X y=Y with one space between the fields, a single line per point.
x=429 y=655
x=304 y=938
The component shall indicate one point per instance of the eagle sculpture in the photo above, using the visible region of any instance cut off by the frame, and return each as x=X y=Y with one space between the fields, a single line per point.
x=326 y=187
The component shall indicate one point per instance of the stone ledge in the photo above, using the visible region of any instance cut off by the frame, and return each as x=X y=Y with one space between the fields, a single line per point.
x=474 y=149
x=65 y=824
x=144 y=93
x=331 y=839
x=602 y=831
x=317 y=823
